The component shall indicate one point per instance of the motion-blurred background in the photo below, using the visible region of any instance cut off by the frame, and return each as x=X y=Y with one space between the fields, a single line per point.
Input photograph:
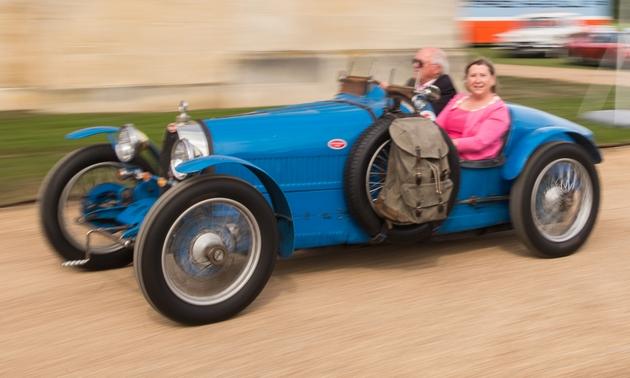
x=74 y=56
x=114 y=55
x=67 y=64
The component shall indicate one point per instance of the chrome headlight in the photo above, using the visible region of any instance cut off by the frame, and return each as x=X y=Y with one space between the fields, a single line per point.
x=130 y=141
x=182 y=151
x=192 y=144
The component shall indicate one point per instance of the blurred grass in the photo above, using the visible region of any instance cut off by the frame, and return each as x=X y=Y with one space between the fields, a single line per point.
x=31 y=143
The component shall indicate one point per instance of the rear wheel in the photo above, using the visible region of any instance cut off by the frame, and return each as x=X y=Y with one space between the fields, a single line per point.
x=206 y=250
x=554 y=202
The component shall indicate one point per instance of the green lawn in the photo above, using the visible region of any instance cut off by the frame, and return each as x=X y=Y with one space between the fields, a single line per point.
x=31 y=143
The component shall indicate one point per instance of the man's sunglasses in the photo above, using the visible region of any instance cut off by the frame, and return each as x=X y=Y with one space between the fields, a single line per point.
x=417 y=62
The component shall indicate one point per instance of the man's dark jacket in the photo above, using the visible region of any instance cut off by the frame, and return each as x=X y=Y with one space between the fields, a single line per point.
x=447 y=91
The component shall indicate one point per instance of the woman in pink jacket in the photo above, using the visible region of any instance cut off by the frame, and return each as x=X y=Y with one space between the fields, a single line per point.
x=478 y=120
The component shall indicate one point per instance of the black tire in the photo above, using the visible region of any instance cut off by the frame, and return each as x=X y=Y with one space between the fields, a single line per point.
x=50 y=194
x=355 y=185
x=175 y=294
x=529 y=229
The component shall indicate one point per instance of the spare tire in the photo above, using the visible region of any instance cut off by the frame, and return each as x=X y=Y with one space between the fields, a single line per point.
x=364 y=175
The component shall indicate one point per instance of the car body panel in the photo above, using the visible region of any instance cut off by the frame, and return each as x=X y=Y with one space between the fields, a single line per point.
x=531 y=128
x=90 y=131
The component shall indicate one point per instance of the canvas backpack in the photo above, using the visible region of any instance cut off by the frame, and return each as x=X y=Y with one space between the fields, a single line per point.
x=418 y=186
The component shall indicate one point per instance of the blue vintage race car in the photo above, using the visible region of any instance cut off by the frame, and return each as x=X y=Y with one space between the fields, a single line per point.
x=204 y=218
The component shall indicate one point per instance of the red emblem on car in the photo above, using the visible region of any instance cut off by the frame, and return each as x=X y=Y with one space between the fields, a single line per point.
x=337 y=144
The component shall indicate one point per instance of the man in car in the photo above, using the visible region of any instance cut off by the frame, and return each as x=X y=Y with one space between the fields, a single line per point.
x=430 y=67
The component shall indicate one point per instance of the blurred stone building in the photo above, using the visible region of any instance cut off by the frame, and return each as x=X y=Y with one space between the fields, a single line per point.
x=114 y=55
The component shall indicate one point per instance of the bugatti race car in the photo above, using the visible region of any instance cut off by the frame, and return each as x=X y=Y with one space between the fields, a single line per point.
x=204 y=217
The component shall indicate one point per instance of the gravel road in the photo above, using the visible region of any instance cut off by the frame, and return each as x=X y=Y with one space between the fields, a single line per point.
x=478 y=306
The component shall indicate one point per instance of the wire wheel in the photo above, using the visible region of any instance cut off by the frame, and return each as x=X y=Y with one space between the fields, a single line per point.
x=555 y=200
x=85 y=181
x=562 y=200
x=206 y=249
x=73 y=203
x=210 y=251
x=376 y=172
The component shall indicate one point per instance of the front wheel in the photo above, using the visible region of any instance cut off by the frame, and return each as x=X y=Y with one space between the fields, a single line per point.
x=206 y=250
x=554 y=202
x=67 y=193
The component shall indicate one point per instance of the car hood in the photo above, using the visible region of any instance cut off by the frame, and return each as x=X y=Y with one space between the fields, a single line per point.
x=296 y=130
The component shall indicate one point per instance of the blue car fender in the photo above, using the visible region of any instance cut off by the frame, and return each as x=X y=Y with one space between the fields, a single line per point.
x=95 y=130
x=110 y=132
x=520 y=153
x=278 y=200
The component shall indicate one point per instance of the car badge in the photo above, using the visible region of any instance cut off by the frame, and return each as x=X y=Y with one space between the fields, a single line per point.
x=337 y=144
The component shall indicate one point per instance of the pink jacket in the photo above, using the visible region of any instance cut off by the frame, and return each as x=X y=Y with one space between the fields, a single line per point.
x=482 y=135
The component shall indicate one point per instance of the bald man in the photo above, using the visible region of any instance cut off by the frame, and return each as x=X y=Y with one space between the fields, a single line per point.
x=430 y=67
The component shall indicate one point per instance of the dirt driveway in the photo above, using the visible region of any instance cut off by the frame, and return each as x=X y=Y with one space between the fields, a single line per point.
x=479 y=306
x=602 y=76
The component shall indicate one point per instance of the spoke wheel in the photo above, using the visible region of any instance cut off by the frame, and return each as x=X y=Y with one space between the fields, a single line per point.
x=206 y=249
x=555 y=200
x=211 y=251
x=72 y=205
x=62 y=200
x=562 y=200
x=376 y=172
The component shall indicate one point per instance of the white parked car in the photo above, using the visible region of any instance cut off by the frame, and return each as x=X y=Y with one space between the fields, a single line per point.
x=540 y=34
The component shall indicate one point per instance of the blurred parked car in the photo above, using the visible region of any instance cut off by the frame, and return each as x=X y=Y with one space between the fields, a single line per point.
x=543 y=34
x=600 y=47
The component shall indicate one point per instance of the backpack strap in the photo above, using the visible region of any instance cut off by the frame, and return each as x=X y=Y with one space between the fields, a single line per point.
x=418 y=162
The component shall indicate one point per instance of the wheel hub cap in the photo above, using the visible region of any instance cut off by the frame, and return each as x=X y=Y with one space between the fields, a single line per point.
x=208 y=249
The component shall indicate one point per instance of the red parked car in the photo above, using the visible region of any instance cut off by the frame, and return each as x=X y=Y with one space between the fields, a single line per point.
x=600 y=48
